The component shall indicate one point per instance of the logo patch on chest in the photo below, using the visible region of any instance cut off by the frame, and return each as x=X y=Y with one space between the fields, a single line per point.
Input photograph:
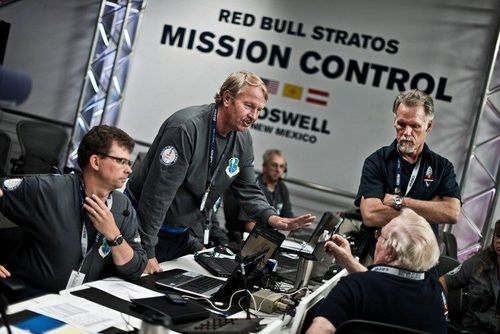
x=428 y=178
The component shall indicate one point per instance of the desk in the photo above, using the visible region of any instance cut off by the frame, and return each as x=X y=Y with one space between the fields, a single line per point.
x=90 y=310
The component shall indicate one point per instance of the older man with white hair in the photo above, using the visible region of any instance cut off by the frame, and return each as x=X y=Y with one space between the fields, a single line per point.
x=396 y=289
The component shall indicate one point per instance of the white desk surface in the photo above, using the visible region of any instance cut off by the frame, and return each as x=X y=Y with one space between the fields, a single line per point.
x=187 y=263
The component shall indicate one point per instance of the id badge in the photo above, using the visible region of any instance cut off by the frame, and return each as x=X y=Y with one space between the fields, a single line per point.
x=206 y=236
x=75 y=279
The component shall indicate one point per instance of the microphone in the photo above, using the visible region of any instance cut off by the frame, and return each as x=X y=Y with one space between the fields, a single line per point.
x=15 y=87
x=126 y=213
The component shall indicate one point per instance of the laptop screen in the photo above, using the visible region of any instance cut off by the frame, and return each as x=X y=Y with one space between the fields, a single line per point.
x=262 y=238
x=328 y=222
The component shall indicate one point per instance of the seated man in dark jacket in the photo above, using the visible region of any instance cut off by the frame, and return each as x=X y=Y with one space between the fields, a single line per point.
x=396 y=289
x=274 y=167
x=76 y=227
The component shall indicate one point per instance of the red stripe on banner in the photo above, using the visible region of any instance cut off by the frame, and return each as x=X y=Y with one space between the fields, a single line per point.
x=316 y=101
x=318 y=92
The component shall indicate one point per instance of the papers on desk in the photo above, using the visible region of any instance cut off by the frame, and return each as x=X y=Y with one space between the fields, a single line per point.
x=82 y=314
x=123 y=289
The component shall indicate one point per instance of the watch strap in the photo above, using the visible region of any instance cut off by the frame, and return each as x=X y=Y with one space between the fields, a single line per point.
x=116 y=242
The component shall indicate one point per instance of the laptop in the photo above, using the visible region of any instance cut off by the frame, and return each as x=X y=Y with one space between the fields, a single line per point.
x=310 y=249
x=307 y=302
x=211 y=287
x=259 y=239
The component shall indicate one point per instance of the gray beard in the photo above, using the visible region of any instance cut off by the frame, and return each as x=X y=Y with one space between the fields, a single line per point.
x=406 y=149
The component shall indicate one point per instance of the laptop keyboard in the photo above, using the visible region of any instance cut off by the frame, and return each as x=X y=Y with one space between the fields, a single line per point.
x=223 y=325
x=223 y=264
x=202 y=284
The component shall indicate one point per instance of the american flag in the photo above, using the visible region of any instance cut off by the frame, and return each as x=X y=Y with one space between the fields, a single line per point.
x=271 y=85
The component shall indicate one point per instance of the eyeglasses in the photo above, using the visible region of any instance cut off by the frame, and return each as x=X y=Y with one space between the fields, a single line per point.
x=121 y=161
x=378 y=234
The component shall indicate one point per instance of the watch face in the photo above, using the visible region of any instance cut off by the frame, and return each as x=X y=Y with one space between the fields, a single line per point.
x=119 y=240
x=116 y=242
x=398 y=202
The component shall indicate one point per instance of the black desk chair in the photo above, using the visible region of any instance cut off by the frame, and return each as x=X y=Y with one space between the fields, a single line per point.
x=446 y=264
x=450 y=245
x=41 y=147
x=5 y=143
x=356 y=326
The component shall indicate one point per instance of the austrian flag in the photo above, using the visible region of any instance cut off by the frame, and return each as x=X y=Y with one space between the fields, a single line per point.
x=317 y=96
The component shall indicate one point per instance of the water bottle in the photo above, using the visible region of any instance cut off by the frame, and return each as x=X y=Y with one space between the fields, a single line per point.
x=155 y=323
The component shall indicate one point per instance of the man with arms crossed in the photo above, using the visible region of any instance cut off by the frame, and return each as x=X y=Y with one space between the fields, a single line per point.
x=407 y=173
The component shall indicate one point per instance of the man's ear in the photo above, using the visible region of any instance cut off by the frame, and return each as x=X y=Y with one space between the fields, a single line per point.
x=390 y=255
x=94 y=162
x=429 y=126
x=226 y=98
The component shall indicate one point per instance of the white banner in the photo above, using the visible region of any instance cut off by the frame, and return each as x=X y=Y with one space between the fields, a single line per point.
x=333 y=69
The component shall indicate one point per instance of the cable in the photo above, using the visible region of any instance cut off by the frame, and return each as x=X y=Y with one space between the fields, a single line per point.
x=230 y=300
x=3 y=311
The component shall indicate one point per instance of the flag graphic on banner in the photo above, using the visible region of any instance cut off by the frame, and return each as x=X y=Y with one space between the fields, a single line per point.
x=317 y=96
x=292 y=91
x=271 y=85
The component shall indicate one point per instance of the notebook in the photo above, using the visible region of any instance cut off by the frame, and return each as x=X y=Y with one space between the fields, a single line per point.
x=210 y=287
x=260 y=239
x=325 y=228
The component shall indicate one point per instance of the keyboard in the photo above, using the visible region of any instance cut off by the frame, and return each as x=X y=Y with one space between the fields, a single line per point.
x=218 y=266
x=201 y=284
x=223 y=325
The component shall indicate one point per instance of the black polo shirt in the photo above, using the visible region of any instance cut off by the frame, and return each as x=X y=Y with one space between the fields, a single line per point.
x=436 y=176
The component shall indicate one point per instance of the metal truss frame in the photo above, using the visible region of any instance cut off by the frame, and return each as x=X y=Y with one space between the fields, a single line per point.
x=481 y=175
x=106 y=73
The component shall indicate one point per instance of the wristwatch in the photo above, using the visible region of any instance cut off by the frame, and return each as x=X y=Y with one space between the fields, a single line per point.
x=118 y=241
x=397 y=202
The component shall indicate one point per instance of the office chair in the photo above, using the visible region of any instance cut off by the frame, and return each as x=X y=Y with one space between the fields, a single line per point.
x=41 y=147
x=450 y=245
x=446 y=264
x=356 y=326
x=5 y=142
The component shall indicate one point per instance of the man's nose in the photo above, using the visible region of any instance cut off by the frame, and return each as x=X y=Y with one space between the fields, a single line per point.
x=254 y=114
x=407 y=130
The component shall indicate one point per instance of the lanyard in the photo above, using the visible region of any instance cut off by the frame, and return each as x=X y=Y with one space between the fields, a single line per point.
x=413 y=176
x=416 y=276
x=212 y=148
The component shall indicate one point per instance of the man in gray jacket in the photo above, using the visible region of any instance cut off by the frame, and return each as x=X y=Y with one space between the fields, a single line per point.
x=76 y=228
x=197 y=154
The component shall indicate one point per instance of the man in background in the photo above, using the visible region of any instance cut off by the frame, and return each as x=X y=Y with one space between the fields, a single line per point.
x=478 y=276
x=274 y=167
x=396 y=289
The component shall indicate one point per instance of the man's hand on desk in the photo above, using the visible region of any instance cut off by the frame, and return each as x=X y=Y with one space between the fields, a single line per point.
x=153 y=266
x=4 y=273
x=290 y=224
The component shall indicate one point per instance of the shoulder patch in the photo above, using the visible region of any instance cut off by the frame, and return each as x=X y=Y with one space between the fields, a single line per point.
x=232 y=168
x=12 y=184
x=168 y=155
